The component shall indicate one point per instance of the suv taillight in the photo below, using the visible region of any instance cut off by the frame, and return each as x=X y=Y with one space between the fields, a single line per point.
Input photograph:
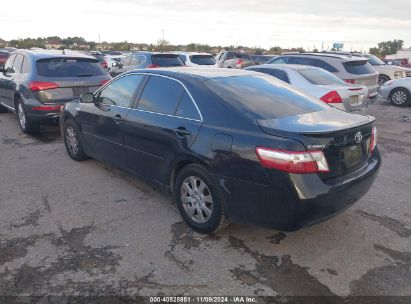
x=239 y=63
x=293 y=161
x=153 y=66
x=36 y=86
x=373 y=140
x=332 y=97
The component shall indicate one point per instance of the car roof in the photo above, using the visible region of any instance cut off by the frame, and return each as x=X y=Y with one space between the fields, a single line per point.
x=289 y=66
x=43 y=54
x=205 y=73
x=190 y=53
x=343 y=56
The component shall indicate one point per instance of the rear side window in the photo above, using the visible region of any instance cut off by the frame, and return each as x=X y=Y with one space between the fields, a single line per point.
x=26 y=65
x=263 y=97
x=183 y=57
x=120 y=92
x=280 y=74
x=161 y=95
x=69 y=67
x=280 y=60
x=358 y=67
x=320 y=77
x=166 y=60
x=202 y=59
x=9 y=63
x=187 y=109
x=312 y=62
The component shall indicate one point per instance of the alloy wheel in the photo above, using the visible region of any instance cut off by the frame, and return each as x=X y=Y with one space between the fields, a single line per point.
x=196 y=199
x=399 y=97
x=72 y=140
x=22 y=116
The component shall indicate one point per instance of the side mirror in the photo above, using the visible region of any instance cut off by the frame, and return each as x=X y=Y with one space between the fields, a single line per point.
x=87 y=98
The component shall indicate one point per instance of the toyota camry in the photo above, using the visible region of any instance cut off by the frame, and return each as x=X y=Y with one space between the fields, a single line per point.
x=230 y=145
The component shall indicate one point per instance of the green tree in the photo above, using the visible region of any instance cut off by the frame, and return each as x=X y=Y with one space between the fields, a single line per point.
x=275 y=50
x=389 y=47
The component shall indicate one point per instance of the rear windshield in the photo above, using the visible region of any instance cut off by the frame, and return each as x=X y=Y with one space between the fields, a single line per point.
x=69 y=67
x=358 y=67
x=320 y=77
x=263 y=97
x=202 y=59
x=166 y=60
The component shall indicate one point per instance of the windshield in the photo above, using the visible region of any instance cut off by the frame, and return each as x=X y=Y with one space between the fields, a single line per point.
x=374 y=60
x=320 y=77
x=69 y=67
x=202 y=59
x=263 y=97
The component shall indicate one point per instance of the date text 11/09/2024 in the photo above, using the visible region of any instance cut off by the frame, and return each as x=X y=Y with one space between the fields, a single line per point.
x=203 y=299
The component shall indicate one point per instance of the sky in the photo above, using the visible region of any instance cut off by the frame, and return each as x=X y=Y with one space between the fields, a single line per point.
x=254 y=23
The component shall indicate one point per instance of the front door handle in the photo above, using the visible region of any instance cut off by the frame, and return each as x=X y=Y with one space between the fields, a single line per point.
x=181 y=131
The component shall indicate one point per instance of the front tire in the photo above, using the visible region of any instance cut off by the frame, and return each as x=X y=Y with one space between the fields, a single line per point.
x=200 y=200
x=382 y=79
x=72 y=141
x=400 y=97
x=26 y=124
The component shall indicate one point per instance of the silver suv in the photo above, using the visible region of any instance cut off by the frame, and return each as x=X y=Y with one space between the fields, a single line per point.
x=351 y=69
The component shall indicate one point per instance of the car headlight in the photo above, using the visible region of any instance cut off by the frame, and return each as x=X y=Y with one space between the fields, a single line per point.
x=389 y=82
x=399 y=74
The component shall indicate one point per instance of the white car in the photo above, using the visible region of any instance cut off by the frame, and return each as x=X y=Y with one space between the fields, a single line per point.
x=320 y=84
x=398 y=92
x=197 y=59
x=387 y=72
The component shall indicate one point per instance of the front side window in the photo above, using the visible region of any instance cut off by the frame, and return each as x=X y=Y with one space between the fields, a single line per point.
x=161 y=95
x=18 y=62
x=8 y=67
x=120 y=92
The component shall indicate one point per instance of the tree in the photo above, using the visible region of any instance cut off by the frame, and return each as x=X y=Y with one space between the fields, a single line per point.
x=275 y=50
x=388 y=47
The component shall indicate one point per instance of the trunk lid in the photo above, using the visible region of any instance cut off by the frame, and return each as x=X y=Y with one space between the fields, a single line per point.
x=332 y=131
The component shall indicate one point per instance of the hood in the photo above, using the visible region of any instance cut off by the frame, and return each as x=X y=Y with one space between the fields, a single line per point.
x=387 y=67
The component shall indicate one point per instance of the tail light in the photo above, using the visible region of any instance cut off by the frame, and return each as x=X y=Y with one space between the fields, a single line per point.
x=293 y=161
x=239 y=63
x=373 y=140
x=36 y=86
x=153 y=66
x=350 y=81
x=104 y=64
x=332 y=97
x=104 y=81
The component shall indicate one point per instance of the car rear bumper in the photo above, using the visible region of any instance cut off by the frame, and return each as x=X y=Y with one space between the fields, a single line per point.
x=296 y=201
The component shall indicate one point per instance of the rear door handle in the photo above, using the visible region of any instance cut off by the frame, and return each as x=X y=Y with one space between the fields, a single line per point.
x=181 y=131
x=118 y=118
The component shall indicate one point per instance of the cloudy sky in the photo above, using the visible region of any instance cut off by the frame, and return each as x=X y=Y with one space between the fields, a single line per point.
x=263 y=23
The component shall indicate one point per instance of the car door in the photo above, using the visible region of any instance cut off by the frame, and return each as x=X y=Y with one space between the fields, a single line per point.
x=162 y=126
x=7 y=83
x=102 y=122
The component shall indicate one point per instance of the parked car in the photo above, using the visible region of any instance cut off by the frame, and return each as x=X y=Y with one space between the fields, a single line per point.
x=398 y=92
x=351 y=69
x=403 y=63
x=100 y=57
x=36 y=84
x=233 y=60
x=261 y=59
x=229 y=144
x=320 y=84
x=386 y=71
x=196 y=59
x=3 y=57
x=142 y=60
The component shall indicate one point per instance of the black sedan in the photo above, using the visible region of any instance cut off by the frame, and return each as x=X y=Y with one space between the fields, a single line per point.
x=229 y=145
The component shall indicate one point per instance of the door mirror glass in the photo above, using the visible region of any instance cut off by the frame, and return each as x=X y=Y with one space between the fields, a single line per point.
x=87 y=98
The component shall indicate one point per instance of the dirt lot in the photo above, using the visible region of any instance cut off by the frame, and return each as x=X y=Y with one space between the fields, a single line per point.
x=87 y=228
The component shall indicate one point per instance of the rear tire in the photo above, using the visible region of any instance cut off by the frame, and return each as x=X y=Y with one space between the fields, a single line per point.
x=200 y=200
x=73 y=142
x=26 y=124
x=399 y=97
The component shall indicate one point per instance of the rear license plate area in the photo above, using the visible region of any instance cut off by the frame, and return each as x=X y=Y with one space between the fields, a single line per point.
x=80 y=90
x=352 y=156
x=356 y=100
